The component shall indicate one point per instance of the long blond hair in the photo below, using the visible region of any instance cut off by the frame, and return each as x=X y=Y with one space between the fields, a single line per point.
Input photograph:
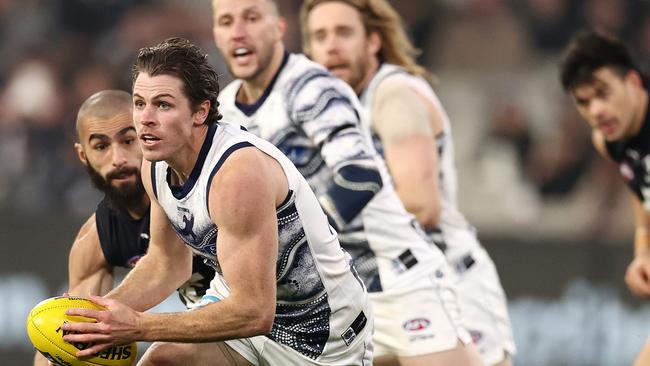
x=377 y=16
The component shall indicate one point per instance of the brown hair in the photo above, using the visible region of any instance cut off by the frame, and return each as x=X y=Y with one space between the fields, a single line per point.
x=377 y=16
x=180 y=58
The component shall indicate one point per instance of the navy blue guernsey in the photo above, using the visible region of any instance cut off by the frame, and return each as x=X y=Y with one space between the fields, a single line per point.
x=633 y=158
x=124 y=240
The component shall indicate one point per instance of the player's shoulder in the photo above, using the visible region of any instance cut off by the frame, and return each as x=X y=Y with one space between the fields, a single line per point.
x=230 y=90
x=87 y=234
x=245 y=170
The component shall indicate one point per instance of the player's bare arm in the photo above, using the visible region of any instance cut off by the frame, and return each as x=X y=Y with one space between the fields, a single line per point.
x=88 y=271
x=243 y=199
x=637 y=275
x=167 y=265
x=407 y=123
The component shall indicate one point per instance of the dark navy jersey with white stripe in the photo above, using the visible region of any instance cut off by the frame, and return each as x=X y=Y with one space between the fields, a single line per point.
x=633 y=159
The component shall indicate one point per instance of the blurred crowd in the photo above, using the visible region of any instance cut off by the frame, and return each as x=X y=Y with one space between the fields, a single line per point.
x=525 y=161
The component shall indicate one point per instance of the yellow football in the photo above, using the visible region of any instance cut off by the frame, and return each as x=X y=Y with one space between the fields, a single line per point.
x=44 y=330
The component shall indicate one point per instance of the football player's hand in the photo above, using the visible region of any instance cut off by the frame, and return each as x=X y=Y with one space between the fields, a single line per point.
x=116 y=325
x=637 y=276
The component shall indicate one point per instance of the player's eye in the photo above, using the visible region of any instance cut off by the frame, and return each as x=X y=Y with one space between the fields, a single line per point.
x=602 y=93
x=224 y=21
x=344 y=32
x=252 y=17
x=319 y=36
x=582 y=102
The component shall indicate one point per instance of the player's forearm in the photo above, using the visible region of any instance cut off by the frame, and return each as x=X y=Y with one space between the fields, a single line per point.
x=427 y=214
x=98 y=283
x=39 y=360
x=641 y=241
x=150 y=282
x=227 y=319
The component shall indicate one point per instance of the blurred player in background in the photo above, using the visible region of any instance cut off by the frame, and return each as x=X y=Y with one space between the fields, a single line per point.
x=117 y=234
x=610 y=93
x=285 y=292
x=363 y=43
x=314 y=118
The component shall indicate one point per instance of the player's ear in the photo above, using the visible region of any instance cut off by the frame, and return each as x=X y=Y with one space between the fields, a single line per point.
x=81 y=154
x=634 y=77
x=202 y=112
x=374 y=43
x=282 y=26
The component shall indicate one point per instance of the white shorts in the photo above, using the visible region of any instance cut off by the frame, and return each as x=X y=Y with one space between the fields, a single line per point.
x=262 y=351
x=483 y=305
x=418 y=317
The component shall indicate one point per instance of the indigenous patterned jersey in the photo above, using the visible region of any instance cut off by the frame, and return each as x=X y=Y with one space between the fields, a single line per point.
x=633 y=158
x=316 y=120
x=318 y=294
x=457 y=235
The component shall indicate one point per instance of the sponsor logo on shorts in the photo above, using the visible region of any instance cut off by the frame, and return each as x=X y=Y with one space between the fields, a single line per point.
x=420 y=337
x=476 y=336
x=417 y=324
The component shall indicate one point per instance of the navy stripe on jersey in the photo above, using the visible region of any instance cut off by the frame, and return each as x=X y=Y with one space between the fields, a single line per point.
x=324 y=102
x=299 y=149
x=250 y=109
x=354 y=186
x=300 y=83
x=181 y=191
x=153 y=179
x=223 y=158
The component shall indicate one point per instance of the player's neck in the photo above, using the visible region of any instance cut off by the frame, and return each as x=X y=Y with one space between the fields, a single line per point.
x=642 y=112
x=183 y=161
x=138 y=210
x=252 y=89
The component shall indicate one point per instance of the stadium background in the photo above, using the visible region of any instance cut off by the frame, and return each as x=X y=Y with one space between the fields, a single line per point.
x=555 y=218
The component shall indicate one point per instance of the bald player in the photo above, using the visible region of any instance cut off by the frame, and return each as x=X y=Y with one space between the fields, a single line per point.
x=117 y=233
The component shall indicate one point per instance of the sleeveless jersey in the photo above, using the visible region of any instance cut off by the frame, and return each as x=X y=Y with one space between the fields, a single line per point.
x=457 y=235
x=633 y=159
x=316 y=120
x=124 y=240
x=318 y=295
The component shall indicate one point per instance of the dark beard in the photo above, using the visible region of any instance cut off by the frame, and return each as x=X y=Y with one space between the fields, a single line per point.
x=127 y=197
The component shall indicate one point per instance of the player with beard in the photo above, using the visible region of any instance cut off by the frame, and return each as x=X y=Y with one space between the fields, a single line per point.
x=117 y=234
x=363 y=43
x=285 y=293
